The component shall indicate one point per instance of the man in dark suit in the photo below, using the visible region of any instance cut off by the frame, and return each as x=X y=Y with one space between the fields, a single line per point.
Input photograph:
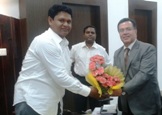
x=140 y=95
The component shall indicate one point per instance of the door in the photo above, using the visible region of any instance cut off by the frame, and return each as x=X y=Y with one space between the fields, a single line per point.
x=145 y=14
x=9 y=64
x=6 y=70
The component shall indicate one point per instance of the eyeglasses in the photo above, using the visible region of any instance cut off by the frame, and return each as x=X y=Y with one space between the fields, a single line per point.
x=125 y=30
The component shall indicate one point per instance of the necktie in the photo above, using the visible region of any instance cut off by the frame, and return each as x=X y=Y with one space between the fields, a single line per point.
x=126 y=56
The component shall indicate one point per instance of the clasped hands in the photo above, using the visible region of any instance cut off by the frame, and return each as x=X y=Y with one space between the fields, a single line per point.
x=94 y=93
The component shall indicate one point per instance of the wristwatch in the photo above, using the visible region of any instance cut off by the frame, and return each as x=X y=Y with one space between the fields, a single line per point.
x=123 y=92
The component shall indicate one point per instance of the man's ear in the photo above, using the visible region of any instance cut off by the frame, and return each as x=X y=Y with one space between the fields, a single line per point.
x=50 y=20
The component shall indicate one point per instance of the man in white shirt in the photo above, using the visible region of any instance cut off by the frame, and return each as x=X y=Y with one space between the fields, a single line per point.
x=45 y=72
x=80 y=55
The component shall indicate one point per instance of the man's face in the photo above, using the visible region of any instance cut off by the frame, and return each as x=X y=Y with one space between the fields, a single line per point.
x=61 y=24
x=127 y=33
x=90 y=35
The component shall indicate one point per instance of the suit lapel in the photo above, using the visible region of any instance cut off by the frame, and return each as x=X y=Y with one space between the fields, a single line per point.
x=132 y=54
x=121 y=57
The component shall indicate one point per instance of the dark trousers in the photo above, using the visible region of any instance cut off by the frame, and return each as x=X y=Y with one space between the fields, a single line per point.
x=81 y=101
x=129 y=111
x=24 y=109
x=59 y=110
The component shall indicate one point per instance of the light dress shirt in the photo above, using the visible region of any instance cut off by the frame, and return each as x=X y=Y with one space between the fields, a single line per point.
x=81 y=54
x=45 y=74
x=130 y=46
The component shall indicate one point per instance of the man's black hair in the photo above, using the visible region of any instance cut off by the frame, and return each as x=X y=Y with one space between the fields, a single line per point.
x=128 y=19
x=91 y=26
x=55 y=9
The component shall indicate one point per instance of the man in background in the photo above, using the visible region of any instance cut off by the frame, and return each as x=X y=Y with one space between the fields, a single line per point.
x=45 y=72
x=80 y=55
x=140 y=95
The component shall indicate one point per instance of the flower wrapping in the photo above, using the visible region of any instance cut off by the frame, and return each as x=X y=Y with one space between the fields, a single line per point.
x=104 y=79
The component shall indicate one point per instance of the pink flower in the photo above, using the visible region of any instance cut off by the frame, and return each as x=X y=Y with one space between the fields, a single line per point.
x=100 y=70
x=92 y=66
x=98 y=59
x=101 y=79
x=94 y=73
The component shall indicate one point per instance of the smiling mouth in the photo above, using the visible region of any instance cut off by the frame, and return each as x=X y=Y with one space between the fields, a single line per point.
x=65 y=30
x=126 y=37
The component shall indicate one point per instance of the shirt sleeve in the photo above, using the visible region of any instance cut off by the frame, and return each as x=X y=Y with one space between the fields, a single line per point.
x=72 y=54
x=107 y=58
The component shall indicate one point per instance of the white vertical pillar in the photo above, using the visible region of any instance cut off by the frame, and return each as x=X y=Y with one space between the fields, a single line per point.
x=159 y=42
x=117 y=9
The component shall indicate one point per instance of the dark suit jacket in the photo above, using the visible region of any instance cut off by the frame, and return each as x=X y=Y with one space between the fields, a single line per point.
x=141 y=85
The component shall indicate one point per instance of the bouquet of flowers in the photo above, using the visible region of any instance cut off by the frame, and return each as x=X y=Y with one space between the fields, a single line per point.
x=104 y=79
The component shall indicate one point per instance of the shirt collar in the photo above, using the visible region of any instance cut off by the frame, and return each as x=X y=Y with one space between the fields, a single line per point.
x=64 y=42
x=131 y=45
x=93 y=46
x=58 y=39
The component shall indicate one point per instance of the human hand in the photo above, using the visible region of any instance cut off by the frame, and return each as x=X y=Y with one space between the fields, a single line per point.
x=94 y=94
x=117 y=92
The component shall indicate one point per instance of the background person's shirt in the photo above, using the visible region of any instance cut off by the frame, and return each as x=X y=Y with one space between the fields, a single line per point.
x=81 y=54
x=46 y=73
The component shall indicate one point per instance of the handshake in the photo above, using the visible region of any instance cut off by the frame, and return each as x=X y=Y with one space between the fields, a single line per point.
x=94 y=93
